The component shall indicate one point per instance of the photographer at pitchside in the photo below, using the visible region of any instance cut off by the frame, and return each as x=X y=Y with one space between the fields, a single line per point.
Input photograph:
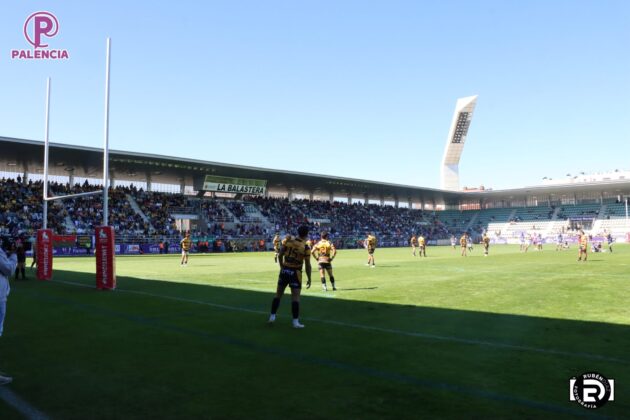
x=8 y=262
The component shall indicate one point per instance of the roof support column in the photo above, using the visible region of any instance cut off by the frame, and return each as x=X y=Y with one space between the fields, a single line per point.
x=311 y=195
x=149 y=182
x=182 y=186
x=331 y=197
x=366 y=199
x=396 y=202
x=349 y=198
x=290 y=194
x=71 y=178
x=382 y=201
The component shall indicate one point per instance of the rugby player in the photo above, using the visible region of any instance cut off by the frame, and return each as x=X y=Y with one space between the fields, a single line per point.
x=324 y=253
x=370 y=244
x=422 y=251
x=609 y=239
x=462 y=243
x=185 y=244
x=583 y=246
x=293 y=254
x=486 y=244
x=276 y=247
x=414 y=243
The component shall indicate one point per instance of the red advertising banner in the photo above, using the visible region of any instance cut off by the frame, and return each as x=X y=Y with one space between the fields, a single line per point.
x=64 y=240
x=44 y=250
x=105 y=258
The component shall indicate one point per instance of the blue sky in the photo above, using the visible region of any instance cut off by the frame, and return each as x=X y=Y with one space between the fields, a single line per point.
x=350 y=88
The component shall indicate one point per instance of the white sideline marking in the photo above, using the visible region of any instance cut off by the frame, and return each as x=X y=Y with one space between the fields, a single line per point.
x=24 y=408
x=447 y=338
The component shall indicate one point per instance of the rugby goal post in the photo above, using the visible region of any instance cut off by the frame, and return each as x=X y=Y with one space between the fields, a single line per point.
x=104 y=235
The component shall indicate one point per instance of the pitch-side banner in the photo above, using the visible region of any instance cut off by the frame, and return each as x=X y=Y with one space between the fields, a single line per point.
x=234 y=185
x=105 y=258
x=44 y=247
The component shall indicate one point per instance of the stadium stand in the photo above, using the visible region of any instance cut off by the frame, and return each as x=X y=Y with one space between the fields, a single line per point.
x=139 y=216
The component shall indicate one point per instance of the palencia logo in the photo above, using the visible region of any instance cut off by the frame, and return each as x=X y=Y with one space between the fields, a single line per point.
x=591 y=390
x=38 y=28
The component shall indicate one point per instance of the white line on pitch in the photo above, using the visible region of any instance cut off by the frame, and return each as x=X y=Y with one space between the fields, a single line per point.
x=436 y=337
x=24 y=408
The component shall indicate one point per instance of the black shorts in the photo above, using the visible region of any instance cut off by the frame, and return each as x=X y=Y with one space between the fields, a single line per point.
x=325 y=265
x=371 y=251
x=290 y=277
x=21 y=259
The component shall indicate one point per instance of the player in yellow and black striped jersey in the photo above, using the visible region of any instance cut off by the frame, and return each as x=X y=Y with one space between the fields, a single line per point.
x=324 y=253
x=582 y=246
x=414 y=243
x=370 y=245
x=293 y=254
x=185 y=244
x=276 y=246
x=463 y=243
x=485 y=240
x=422 y=246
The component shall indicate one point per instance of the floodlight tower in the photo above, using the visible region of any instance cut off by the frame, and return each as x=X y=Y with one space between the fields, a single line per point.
x=455 y=142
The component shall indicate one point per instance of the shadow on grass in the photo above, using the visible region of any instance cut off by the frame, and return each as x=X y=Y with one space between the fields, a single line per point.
x=365 y=359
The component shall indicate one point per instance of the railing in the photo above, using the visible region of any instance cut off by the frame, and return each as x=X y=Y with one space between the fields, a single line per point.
x=183 y=210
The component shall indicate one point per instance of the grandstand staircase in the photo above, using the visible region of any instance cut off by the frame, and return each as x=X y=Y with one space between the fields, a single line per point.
x=253 y=212
x=70 y=228
x=554 y=216
x=512 y=214
x=134 y=205
x=471 y=223
x=225 y=208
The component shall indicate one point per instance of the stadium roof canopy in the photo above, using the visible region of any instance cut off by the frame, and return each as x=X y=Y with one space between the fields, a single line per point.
x=26 y=156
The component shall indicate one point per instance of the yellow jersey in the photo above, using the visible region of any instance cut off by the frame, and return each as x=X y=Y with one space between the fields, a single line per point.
x=584 y=242
x=295 y=252
x=371 y=242
x=462 y=241
x=324 y=251
x=185 y=244
x=486 y=240
x=413 y=241
x=422 y=241
x=276 y=242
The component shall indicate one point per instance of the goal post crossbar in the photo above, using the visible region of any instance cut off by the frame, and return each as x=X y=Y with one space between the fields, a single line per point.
x=104 y=190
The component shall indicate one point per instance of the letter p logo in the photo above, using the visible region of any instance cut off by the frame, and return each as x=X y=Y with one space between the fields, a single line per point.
x=38 y=24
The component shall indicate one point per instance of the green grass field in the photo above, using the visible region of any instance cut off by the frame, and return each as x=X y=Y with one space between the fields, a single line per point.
x=445 y=336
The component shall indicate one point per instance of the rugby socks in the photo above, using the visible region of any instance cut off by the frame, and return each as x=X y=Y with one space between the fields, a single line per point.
x=332 y=281
x=295 y=309
x=274 y=305
x=23 y=269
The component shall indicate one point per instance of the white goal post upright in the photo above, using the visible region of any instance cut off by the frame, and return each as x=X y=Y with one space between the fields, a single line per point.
x=105 y=265
x=106 y=139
